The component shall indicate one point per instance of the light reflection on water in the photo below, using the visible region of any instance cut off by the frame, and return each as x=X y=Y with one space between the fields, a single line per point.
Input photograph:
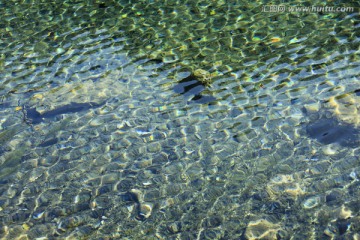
x=228 y=159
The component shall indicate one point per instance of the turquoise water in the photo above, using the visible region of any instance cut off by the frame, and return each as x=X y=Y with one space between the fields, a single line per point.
x=178 y=120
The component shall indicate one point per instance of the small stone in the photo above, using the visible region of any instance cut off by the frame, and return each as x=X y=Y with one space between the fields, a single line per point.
x=96 y=122
x=329 y=150
x=282 y=178
x=261 y=229
x=167 y=203
x=344 y=212
x=25 y=226
x=174 y=227
x=329 y=231
x=313 y=107
x=154 y=147
x=38 y=215
x=311 y=202
x=294 y=190
x=93 y=204
x=143 y=163
x=60 y=50
x=146 y=209
x=356 y=236
x=353 y=175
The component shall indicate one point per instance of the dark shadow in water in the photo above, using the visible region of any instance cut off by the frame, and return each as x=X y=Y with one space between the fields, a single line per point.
x=357 y=92
x=203 y=99
x=191 y=86
x=331 y=130
x=48 y=143
x=34 y=117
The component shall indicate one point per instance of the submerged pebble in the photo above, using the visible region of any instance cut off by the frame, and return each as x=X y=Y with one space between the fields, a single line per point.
x=38 y=215
x=146 y=209
x=311 y=202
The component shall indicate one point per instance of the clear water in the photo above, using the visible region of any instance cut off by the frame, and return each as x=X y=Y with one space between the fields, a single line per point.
x=178 y=120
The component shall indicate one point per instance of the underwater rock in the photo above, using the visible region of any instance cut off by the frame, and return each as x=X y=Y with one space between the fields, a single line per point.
x=311 y=202
x=345 y=108
x=261 y=229
x=330 y=130
x=145 y=210
x=203 y=76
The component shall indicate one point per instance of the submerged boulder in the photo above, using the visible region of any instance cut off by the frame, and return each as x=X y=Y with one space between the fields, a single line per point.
x=346 y=107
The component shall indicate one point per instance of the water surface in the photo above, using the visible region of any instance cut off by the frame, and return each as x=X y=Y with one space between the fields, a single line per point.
x=108 y=132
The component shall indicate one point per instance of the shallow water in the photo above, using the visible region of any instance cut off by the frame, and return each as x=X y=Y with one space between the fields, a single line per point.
x=239 y=151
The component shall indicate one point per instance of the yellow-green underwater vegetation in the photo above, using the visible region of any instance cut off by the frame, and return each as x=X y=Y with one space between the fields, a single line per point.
x=179 y=120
